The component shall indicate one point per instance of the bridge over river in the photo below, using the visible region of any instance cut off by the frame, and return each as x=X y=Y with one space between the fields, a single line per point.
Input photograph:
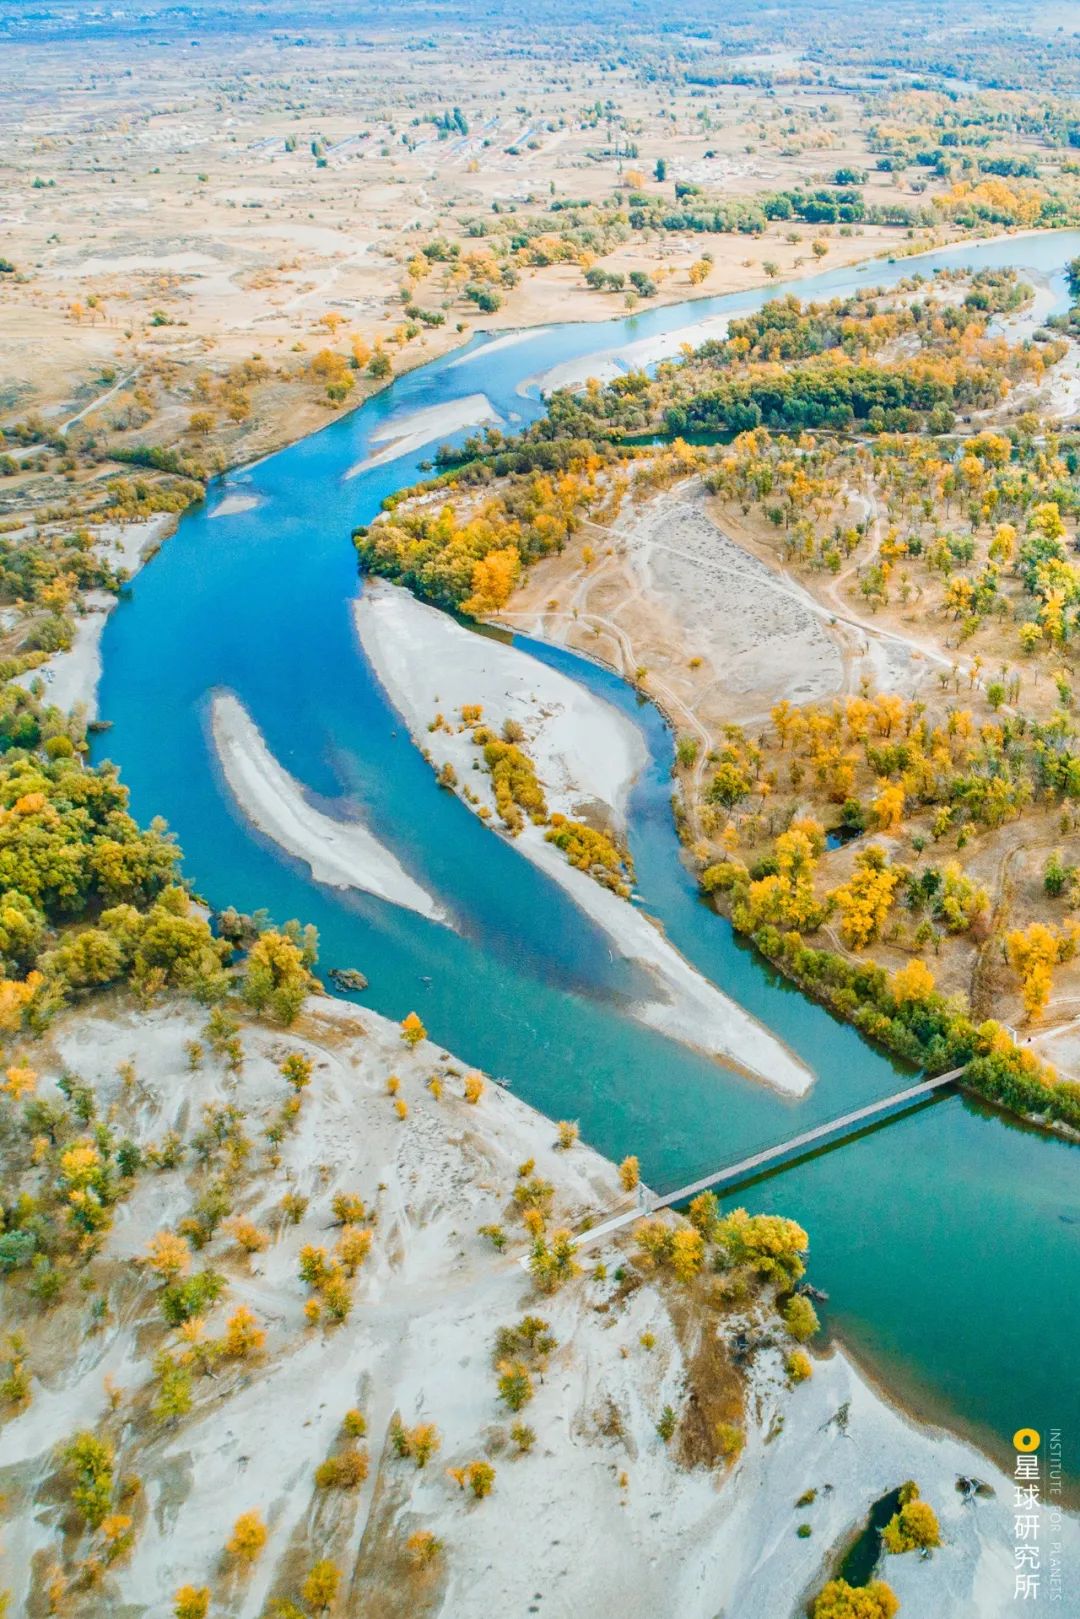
x=848 y=1123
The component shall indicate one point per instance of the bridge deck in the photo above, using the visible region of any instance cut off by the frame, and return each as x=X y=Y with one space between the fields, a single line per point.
x=758 y=1160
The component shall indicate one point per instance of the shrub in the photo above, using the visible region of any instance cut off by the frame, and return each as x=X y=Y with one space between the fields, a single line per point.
x=345 y=1471
x=423 y=1548
x=523 y=1436
x=730 y=1440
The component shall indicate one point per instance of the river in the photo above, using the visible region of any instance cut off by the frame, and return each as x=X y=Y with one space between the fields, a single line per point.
x=947 y=1240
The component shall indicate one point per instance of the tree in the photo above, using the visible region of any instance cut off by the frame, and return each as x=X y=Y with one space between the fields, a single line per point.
x=661 y=169
x=424 y=1442
x=1032 y=953
x=276 y=978
x=515 y=1384
x=479 y=1477
x=839 y=1600
x=687 y=1253
x=704 y=1215
x=412 y=1030
x=888 y=806
x=191 y=1602
x=296 y=1069
x=168 y=1256
x=320 y=1588
x=89 y=1463
x=345 y=1471
x=798 y=1367
x=913 y=982
x=865 y=899
x=248 y=1537
x=800 y=1318
x=568 y=1134
x=523 y=1436
x=914 y=1526
x=629 y=1173
x=552 y=1264
x=772 y=1246
x=243 y=1335
x=423 y=1548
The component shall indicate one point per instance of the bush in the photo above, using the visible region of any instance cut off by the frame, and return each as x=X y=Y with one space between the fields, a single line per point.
x=345 y=1471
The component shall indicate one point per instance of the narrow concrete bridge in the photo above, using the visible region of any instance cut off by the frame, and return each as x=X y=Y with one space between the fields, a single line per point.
x=847 y=1123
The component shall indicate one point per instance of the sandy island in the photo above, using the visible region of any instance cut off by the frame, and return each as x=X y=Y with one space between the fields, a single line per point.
x=341 y=854
x=587 y=756
x=402 y=435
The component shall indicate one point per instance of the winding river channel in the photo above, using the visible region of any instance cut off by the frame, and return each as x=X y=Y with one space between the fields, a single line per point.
x=948 y=1240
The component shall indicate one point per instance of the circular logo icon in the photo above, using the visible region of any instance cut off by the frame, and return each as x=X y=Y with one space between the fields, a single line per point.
x=1026 y=1439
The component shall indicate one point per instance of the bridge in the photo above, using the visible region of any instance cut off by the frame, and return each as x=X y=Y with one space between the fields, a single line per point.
x=759 y=1160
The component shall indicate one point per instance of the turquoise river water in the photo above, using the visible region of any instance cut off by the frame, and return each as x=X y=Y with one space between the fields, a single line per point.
x=947 y=1240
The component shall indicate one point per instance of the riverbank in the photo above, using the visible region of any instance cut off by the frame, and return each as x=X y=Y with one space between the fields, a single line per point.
x=586 y=756
x=652 y=1528
x=71 y=677
x=340 y=853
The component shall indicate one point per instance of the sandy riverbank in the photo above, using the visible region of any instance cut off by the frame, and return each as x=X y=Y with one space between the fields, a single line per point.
x=587 y=756
x=72 y=677
x=342 y=854
x=404 y=435
x=607 y=364
x=601 y=1517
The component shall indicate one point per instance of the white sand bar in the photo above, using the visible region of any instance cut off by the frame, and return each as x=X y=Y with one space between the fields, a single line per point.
x=587 y=755
x=341 y=854
x=606 y=364
x=402 y=435
x=232 y=505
